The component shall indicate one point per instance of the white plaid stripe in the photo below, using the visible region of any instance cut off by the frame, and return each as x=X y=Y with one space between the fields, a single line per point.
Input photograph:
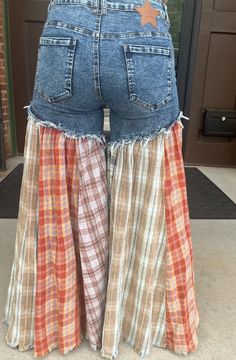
x=137 y=236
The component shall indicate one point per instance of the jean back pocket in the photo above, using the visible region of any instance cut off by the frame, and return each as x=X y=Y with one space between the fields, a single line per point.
x=54 y=70
x=149 y=74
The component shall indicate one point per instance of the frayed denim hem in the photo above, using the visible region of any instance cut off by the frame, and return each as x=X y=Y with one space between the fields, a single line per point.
x=69 y=134
x=112 y=145
x=144 y=139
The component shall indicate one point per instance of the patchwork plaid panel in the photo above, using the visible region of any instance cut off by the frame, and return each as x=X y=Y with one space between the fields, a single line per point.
x=182 y=317
x=72 y=242
x=135 y=307
x=151 y=296
x=19 y=310
x=93 y=236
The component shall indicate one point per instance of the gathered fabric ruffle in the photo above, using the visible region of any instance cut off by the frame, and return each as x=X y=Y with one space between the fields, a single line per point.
x=20 y=309
x=151 y=292
x=65 y=277
x=103 y=246
x=182 y=313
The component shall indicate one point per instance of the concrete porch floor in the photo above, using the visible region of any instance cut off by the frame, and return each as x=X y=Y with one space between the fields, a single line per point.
x=214 y=252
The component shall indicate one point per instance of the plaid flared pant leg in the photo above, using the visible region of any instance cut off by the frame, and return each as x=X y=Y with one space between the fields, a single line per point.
x=57 y=290
x=58 y=283
x=19 y=309
x=151 y=298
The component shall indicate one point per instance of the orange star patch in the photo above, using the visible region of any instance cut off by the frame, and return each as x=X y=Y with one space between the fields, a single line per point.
x=148 y=13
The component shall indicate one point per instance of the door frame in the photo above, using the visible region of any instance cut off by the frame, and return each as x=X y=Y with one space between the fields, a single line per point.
x=190 y=27
x=8 y=69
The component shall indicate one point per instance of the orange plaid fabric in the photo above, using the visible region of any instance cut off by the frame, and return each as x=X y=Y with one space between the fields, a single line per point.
x=72 y=242
x=182 y=316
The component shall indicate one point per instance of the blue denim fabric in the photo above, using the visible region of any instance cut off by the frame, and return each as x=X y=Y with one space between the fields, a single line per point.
x=94 y=54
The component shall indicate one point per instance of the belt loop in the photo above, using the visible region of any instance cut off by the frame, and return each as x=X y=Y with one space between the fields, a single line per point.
x=49 y=5
x=95 y=6
x=104 y=6
x=166 y=10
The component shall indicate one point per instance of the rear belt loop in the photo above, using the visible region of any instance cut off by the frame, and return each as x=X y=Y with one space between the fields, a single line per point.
x=49 y=5
x=166 y=11
x=104 y=6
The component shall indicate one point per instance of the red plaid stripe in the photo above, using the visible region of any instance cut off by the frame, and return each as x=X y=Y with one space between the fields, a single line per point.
x=72 y=242
x=182 y=317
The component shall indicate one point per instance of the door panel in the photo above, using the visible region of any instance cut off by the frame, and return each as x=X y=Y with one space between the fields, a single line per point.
x=26 y=20
x=220 y=72
x=214 y=84
x=229 y=5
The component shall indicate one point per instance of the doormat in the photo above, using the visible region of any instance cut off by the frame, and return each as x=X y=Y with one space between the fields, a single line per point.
x=10 y=193
x=205 y=199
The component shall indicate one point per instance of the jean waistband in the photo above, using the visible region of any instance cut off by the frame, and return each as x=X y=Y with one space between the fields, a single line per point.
x=101 y=6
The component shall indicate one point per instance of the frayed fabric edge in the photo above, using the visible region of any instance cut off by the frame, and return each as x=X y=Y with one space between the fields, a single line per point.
x=16 y=345
x=141 y=354
x=105 y=355
x=21 y=349
x=113 y=145
x=68 y=134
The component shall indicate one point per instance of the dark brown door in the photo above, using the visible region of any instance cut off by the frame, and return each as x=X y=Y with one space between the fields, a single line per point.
x=214 y=83
x=26 y=20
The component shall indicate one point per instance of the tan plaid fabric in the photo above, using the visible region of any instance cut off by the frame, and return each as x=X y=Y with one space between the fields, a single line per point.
x=19 y=311
x=135 y=306
x=151 y=296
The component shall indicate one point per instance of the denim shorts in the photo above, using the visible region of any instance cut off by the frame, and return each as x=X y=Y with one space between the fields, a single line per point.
x=97 y=54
